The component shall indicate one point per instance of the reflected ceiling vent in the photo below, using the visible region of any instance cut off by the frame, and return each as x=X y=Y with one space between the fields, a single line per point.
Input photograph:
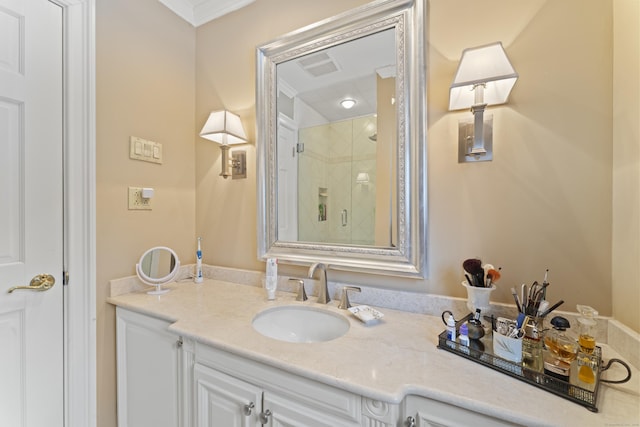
x=318 y=64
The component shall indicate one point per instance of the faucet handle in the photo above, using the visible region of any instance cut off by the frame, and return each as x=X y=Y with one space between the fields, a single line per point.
x=344 y=302
x=302 y=294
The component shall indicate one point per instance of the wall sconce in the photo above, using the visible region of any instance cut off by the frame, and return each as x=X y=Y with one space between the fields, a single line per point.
x=226 y=129
x=484 y=77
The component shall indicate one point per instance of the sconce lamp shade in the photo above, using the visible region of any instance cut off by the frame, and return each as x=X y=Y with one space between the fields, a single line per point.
x=225 y=128
x=486 y=66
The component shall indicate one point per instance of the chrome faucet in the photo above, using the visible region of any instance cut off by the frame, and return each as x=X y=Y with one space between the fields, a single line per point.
x=323 y=292
x=344 y=302
x=302 y=294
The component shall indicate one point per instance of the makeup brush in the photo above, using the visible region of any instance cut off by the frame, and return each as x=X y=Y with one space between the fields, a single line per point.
x=550 y=309
x=491 y=274
x=487 y=267
x=469 y=281
x=473 y=266
x=515 y=298
x=494 y=274
x=545 y=283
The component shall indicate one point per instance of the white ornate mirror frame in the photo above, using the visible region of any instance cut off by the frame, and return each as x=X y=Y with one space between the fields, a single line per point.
x=407 y=256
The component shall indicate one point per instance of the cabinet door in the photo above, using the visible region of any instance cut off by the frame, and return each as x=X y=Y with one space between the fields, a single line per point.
x=148 y=371
x=288 y=413
x=224 y=401
x=431 y=413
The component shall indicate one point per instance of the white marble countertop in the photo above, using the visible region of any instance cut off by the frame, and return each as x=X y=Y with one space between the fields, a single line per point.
x=386 y=361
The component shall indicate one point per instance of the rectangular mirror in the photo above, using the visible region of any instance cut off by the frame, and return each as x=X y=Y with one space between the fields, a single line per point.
x=339 y=167
x=342 y=142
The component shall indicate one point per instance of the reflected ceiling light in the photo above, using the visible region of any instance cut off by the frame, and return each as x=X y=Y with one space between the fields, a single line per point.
x=484 y=77
x=226 y=129
x=348 y=103
x=362 y=178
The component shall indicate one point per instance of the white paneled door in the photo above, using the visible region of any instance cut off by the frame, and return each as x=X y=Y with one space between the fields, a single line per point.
x=31 y=217
x=287 y=181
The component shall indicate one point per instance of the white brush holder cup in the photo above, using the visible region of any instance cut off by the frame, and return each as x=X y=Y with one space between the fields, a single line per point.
x=478 y=297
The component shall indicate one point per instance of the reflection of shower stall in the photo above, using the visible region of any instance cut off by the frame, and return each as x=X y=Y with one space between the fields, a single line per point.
x=337 y=182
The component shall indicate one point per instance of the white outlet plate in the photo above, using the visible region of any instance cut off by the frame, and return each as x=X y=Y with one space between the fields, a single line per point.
x=136 y=201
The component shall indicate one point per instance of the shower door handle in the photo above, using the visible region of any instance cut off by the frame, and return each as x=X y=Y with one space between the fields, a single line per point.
x=344 y=217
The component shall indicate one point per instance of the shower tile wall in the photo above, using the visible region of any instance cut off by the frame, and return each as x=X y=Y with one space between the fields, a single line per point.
x=334 y=155
x=312 y=176
x=363 y=196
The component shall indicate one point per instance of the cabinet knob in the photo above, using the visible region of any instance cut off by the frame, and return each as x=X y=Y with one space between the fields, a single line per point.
x=264 y=417
x=248 y=408
x=410 y=422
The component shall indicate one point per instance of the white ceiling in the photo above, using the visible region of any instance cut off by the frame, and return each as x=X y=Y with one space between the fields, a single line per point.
x=198 y=12
x=356 y=64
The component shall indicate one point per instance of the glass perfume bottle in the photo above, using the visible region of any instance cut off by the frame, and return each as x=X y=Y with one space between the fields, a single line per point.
x=585 y=367
x=586 y=328
x=562 y=349
x=532 y=344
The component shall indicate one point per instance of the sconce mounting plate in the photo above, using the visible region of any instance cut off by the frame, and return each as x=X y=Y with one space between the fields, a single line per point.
x=465 y=140
x=239 y=164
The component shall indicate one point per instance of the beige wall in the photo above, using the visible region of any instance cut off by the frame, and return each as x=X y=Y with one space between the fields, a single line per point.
x=545 y=201
x=225 y=70
x=146 y=88
x=626 y=163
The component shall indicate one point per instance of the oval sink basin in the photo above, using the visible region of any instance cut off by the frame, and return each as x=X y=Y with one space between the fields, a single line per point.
x=300 y=324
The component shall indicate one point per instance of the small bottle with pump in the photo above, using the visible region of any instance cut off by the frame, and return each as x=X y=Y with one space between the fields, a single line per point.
x=271 y=279
x=198 y=276
x=464 y=335
x=451 y=328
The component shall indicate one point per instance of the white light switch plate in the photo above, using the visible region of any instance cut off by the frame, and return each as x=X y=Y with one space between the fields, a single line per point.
x=145 y=150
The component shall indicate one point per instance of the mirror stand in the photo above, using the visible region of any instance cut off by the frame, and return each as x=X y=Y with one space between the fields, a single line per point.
x=158 y=266
x=158 y=290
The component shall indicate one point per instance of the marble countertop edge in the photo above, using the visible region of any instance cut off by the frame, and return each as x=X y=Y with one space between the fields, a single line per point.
x=216 y=306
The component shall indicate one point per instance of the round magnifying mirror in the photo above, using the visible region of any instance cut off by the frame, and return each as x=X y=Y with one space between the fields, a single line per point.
x=158 y=266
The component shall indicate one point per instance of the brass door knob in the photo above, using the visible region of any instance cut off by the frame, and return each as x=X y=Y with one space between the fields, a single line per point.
x=41 y=282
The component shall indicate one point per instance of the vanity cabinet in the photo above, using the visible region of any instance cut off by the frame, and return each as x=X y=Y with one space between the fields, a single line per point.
x=165 y=381
x=221 y=400
x=149 y=372
x=232 y=391
x=424 y=412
